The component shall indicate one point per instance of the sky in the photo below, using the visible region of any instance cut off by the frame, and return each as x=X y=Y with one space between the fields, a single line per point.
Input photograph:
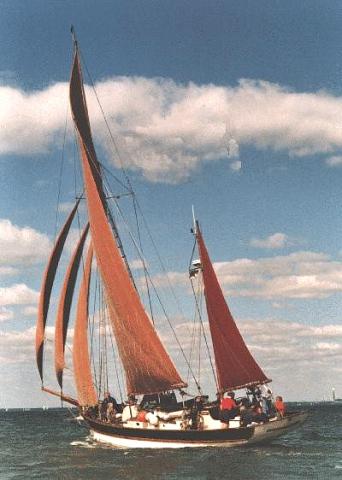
x=233 y=107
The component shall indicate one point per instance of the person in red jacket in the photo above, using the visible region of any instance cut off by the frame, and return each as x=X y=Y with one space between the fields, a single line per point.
x=280 y=406
x=228 y=407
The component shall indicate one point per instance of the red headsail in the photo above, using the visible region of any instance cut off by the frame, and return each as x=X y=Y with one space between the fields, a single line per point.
x=86 y=393
x=148 y=367
x=235 y=366
x=45 y=293
x=64 y=306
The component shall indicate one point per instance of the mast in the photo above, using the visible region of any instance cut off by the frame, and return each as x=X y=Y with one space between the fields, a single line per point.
x=235 y=365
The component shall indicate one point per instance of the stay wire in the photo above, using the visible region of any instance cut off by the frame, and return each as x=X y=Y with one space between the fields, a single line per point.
x=159 y=299
x=61 y=173
x=204 y=335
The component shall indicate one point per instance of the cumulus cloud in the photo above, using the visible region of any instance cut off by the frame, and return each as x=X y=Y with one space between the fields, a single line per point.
x=30 y=311
x=7 y=271
x=277 y=240
x=21 y=245
x=334 y=161
x=5 y=314
x=137 y=264
x=236 y=165
x=18 y=294
x=302 y=274
x=279 y=346
x=167 y=130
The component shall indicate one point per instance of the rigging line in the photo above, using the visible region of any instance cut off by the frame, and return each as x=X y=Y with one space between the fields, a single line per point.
x=192 y=345
x=161 y=263
x=108 y=171
x=92 y=333
x=115 y=362
x=99 y=343
x=199 y=340
x=61 y=172
x=143 y=260
x=96 y=164
x=159 y=300
x=205 y=337
x=105 y=342
x=107 y=124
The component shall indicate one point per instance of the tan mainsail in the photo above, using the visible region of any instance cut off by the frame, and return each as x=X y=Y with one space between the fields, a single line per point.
x=64 y=306
x=45 y=292
x=86 y=393
x=147 y=365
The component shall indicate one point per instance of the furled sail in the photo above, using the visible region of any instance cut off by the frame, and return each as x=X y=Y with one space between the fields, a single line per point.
x=86 y=393
x=64 y=306
x=147 y=365
x=235 y=366
x=45 y=293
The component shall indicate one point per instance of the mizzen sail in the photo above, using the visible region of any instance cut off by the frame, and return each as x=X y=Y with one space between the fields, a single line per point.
x=235 y=366
x=64 y=306
x=147 y=365
x=86 y=393
x=45 y=293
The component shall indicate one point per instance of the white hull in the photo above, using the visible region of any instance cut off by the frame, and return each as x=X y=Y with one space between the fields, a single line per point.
x=262 y=433
x=123 y=442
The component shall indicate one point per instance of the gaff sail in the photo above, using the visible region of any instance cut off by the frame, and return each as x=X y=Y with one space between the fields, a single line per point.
x=45 y=292
x=148 y=367
x=235 y=366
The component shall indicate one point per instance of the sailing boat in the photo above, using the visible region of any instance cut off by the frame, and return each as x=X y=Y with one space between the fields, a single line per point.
x=158 y=419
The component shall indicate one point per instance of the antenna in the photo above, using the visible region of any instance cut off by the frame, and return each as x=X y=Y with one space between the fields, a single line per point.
x=194 y=219
x=73 y=34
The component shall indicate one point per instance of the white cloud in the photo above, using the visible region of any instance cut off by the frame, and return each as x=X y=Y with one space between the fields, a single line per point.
x=30 y=311
x=21 y=245
x=5 y=314
x=7 y=271
x=18 y=294
x=236 y=166
x=302 y=274
x=167 y=130
x=294 y=355
x=277 y=240
x=291 y=353
x=334 y=161
x=137 y=264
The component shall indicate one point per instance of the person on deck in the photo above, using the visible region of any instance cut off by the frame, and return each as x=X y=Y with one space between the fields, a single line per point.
x=266 y=399
x=228 y=407
x=280 y=406
x=109 y=406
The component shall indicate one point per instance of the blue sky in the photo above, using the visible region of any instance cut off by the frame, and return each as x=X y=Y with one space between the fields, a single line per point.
x=234 y=107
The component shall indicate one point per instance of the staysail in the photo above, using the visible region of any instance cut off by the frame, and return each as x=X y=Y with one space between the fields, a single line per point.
x=235 y=366
x=147 y=365
x=86 y=393
x=45 y=293
x=64 y=306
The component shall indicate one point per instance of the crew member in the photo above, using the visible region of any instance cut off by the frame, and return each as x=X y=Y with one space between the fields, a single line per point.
x=228 y=407
x=109 y=406
x=280 y=406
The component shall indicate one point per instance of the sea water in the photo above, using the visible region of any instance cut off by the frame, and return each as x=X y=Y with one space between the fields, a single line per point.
x=49 y=444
